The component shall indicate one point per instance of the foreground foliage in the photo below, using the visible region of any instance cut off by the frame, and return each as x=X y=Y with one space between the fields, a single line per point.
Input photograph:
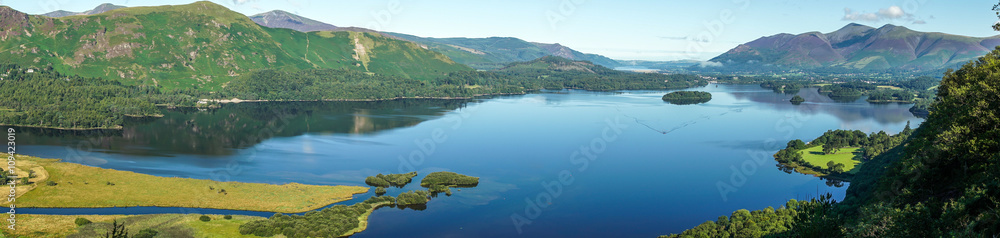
x=330 y=222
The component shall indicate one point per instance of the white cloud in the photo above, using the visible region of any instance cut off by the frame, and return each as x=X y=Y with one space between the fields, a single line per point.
x=705 y=64
x=849 y=15
x=893 y=12
x=884 y=14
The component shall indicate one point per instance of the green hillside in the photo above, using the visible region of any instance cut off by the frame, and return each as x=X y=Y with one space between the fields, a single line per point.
x=200 y=45
x=943 y=181
x=495 y=52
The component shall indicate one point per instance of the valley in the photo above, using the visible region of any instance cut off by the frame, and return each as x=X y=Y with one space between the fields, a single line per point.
x=487 y=119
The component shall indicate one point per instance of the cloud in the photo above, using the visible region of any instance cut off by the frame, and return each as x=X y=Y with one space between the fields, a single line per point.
x=849 y=15
x=705 y=64
x=891 y=13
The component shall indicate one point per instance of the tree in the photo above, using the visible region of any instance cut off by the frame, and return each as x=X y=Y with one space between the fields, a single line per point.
x=838 y=168
x=828 y=148
x=117 y=231
x=996 y=8
x=796 y=144
x=204 y=218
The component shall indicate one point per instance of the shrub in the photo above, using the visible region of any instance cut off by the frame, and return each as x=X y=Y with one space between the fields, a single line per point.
x=81 y=221
x=51 y=183
x=204 y=218
x=227 y=217
x=146 y=233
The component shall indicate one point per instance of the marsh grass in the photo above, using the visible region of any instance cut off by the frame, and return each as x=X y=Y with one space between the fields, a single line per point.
x=86 y=186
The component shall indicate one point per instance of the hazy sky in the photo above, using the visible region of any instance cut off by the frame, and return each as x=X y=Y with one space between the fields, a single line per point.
x=623 y=29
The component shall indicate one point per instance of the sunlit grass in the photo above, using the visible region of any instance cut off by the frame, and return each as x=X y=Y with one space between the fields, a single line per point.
x=86 y=186
x=815 y=156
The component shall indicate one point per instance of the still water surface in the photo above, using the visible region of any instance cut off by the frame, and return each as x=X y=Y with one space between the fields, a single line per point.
x=638 y=167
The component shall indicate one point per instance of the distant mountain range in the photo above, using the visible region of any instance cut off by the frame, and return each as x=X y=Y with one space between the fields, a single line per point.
x=480 y=53
x=496 y=52
x=858 y=46
x=853 y=47
x=199 y=45
x=283 y=19
x=97 y=10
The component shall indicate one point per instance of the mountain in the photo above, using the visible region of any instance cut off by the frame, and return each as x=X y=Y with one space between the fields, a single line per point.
x=495 y=52
x=97 y=10
x=287 y=20
x=557 y=64
x=283 y=19
x=199 y=45
x=480 y=53
x=858 y=46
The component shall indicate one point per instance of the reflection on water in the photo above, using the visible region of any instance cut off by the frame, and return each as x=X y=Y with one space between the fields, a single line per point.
x=851 y=110
x=235 y=126
x=515 y=144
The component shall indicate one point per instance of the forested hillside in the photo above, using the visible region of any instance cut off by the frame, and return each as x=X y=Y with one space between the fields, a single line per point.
x=199 y=45
x=45 y=98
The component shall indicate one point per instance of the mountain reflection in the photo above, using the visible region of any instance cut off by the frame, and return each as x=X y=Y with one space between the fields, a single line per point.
x=234 y=126
x=817 y=103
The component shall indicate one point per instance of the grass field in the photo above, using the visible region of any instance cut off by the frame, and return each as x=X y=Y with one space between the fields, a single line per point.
x=43 y=226
x=815 y=156
x=167 y=225
x=85 y=186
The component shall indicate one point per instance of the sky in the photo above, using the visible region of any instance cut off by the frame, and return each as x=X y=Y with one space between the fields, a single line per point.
x=657 y=30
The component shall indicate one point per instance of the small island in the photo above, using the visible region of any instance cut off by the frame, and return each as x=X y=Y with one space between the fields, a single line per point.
x=796 y=100
x=439 y=182
x=687 y=97
x=386 y=180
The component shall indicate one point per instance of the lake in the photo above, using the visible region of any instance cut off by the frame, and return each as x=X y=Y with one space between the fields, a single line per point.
x=572 y=163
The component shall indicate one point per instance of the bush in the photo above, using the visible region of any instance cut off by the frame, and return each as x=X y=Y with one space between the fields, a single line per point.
x=146 y=233
x=448 y=179
x=51 y=183
x=204 y=218
x=81 y=221
x=227 y=217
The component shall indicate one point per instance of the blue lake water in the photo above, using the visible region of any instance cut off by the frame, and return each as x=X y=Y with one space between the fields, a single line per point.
x=630 y=165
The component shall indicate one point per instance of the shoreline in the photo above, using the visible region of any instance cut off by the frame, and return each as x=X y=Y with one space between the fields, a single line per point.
x=363 y=219
x=237 y=100
x=117 y=127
